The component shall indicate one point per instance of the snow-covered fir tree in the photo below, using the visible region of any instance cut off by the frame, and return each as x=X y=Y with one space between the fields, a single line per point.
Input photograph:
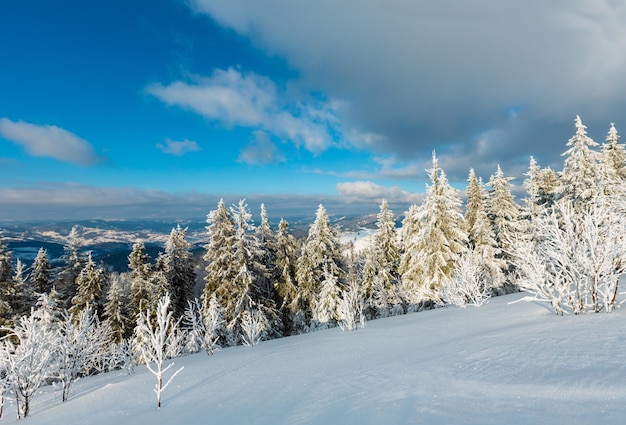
x=438 y=242
x=325 y=313
x=386 y=262
x=141 y=290
x=504 y=214
x=289 y=300
x=481 y=237
x=613 y=153
x=581 y=176
x=179 y=270
x=219 y=255
x=114 y=311
x=267 y=254
x=90 y=284
x=248 y=289
x=613 y=167
x=73 y=266
x=41 y=275
x=23 y=297
x=320 y=261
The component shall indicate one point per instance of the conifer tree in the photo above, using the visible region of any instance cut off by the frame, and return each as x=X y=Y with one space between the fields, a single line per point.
x=267 y=245
x=289 y=301
x=410 y=267
x=73 y=266
x=386 y=262
x=219 y=256
x=179 y=270
x=141 y=290
x=504 y=214
x=613 y=154
x=438 y=243
x=481 y=236
x=613 y=169
x=320 y=261
x=580 y=177
x=22 y=299
x=250 y=290
x=41 y=277
x=90 y=283
x=114 y=313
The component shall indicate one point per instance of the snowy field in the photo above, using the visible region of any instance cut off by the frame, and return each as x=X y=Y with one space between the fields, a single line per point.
x=499 y=364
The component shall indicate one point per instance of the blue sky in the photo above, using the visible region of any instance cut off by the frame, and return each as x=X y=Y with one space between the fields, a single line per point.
x=122 y=109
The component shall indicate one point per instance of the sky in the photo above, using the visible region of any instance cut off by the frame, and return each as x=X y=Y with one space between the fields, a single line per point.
x=159 y=108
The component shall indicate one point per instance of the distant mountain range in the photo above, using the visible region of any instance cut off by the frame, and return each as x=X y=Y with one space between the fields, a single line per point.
x=110 y=241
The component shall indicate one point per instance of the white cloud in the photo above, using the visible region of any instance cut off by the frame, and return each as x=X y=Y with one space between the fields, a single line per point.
x=49 y=141
x=233 y=98
x=176 y=148
x=261 y=151
x=367 y=190
x=418 y=75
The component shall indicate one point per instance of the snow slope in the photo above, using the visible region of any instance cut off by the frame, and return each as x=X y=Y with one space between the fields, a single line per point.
x=499 y=364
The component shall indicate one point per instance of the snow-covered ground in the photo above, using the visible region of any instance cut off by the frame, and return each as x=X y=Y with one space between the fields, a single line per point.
x=500 y=364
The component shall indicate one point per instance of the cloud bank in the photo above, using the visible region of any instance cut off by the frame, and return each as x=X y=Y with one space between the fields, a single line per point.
x=483 y=81
x=49 y=141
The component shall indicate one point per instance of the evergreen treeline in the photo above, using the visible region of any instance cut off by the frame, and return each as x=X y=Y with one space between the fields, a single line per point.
x=563 y=244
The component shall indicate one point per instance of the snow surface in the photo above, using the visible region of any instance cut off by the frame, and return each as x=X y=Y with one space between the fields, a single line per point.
x=499 y=364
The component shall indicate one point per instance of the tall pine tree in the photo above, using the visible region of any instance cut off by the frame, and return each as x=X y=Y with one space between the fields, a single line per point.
x=320 y=262
x=438 y=243
x=179 y=270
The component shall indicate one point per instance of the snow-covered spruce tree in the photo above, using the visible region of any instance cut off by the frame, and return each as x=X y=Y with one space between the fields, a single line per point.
x=469 y=283
x=613 y=168
x=241 y=292
x=438 y=243
x=140 y=281
x=27 y=360
x=325 y=312
x=114 y=311
x=504 y=214
x=581 y=175
x=90 y=283
x=410 y=268
x=73 y=266
x=81 y=340
x=154 y=340
x=320 y=262
x=41 y=275
x=23 y=298
x=613 y=154
x=267 y=255
x=386 y=252
x=179 y=270
x=290 y=303
x=481 y=237
x=219 y=255
x=47 y=308
x=576 y=259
